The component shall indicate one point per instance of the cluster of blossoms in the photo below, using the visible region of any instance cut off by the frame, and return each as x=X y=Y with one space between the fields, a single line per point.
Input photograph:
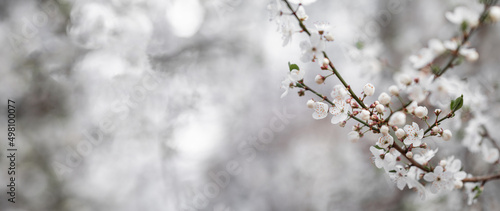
x=401 y=149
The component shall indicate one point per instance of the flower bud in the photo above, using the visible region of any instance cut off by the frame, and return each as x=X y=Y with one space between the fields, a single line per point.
x=409 y=155
x=329 y=37
x=342 y=124
x=301 y=93
x=446 y=135
x=472 y=56
x=421 y=112
x=443 y=163
x=458 y=184
x=437 y=111
x=394 y=90
x=423 y=145
x=435 y=129
x=319 y=79
x=384 y=98
x=384 y=130
x=310 y=103
x=494 y=13
x=400 y=133
x=380 y=108
x=365 y=115
x=326 y=62
x=398 y=118
x=353 y=136
x=369 y=89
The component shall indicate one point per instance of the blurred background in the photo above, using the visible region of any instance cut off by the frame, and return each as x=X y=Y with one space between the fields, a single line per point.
x=175 y=105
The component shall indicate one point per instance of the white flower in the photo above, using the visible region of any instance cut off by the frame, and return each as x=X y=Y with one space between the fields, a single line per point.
x=453 y=166
x=490 y=155
x=399 y=177
x=310 y=103
x=451 y=44
x=353 y=136
x=424 y=57
x=321 y=26
x=319 y=79
x=471 y=189
x=446 y=135
x=397 y=119
x=301 y=14
x=463 y=14
x=413 y=183
x=369 y=89
x=382 y=159
x=385 y=141
x=312 y=48
x=414 y=134
x=294 y=76
x=297 y=75
x=341 y=108
x=441 y=180
x=380 y=108
x=286 y=85
x=339 y=111
x=494 y=13
x=320 y=110
x=470 y=54
x=384 y=98
x=404 y=79
x=400 y=133
x=394 y=90
x=417 y=92
x=287 y=28
x=339 y=93
x=436 y=46
x=424 y=155
x=421 y=112
x=365 y=115
x=443 y=90
x=472 y=139
x=274 y=8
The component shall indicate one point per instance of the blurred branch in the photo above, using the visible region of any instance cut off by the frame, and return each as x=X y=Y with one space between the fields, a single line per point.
x=466 y=36
x=482 y=179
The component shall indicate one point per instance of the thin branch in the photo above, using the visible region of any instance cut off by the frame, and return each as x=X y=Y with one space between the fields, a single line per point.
x=482 y=178
x=413 y=162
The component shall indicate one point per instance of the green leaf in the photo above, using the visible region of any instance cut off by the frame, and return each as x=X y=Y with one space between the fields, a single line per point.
x=392 y=171
x=377 y=147
x=293 y=66
x=457 y=103
x=464 y=26
x=435 y=69
x=360 y=45
x=479 y=192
